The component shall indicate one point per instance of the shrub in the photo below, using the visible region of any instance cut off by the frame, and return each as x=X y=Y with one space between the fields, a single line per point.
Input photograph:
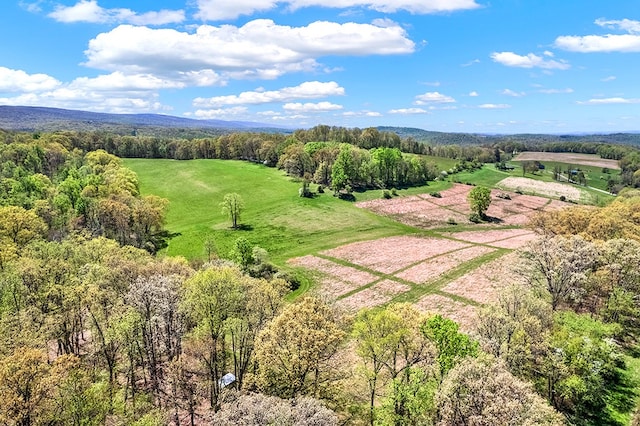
x=435 y=194
x=320 y=189
x=504 y=196
x=563 y=198
x=452 y=221
x=386 y=194
x=475 y=218
x=394 y=192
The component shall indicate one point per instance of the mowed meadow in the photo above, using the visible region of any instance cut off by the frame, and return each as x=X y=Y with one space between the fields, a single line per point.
x=275 y=217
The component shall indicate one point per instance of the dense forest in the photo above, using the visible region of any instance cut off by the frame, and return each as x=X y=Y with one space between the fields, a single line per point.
x=96 y=329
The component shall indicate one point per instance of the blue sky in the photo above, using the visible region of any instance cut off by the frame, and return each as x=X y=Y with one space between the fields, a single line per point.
x=486 y=66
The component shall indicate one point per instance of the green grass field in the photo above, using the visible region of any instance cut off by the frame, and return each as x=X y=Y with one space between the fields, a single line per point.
x=275 y=217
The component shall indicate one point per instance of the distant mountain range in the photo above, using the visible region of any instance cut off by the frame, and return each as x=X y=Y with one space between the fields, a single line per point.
x=27 y=118
x=42 y=119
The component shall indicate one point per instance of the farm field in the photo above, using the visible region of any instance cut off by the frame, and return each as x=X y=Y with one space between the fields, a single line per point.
x=451 y=270
x=568 y=158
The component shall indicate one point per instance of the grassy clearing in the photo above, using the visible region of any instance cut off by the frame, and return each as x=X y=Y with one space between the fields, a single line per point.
x=275 y=217
x=487 y=176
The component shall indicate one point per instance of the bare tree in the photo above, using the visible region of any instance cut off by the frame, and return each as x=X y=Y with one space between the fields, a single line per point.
x=561 y=265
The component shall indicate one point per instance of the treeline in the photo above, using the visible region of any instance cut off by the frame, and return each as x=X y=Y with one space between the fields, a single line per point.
x=57 y=190
x=604 y=150
x=262 y=147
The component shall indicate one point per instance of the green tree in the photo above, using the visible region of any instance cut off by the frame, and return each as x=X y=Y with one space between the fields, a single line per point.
x=479 y=200
x=232 y=205
x=390 y=343
x=20 y=226
x=242 y=253
x=452 y=345
x=293 y=351
x=343 y=172
x=387 y=161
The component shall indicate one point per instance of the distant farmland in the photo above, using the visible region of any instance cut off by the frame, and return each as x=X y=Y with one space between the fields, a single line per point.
x=568 y=158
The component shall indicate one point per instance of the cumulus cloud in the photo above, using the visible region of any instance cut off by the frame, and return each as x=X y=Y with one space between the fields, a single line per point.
x=609 y=78
x=609 y=101
x=311 y=107
x=114 y=92
x=406 y=111
x=306 y=90
x=216 y=10
x=494 y=106
x=259 y=49
x=433 y=98
x=629 y=42
x=530 y=60
x=473 y=94
x=90 y=11
x=19 y=81
x=119 y=81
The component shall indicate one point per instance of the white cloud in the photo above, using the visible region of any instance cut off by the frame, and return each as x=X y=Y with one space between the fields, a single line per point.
x=90 y=101
x=114 y=92
x=556 y=91
x=473 y=94
x=408 y=111
x=90 y=11
x=433 y=98
x=222 y=113
x=609 y=78
x=627 y=25
x=118 y=81
x=32 y=7
x=468 y=64
x=306 y=90
x=629 y=42
x=609 y=101
x=214 y=10
x=217 y=10
x=494 y=106
x=311 y=107
x=530 y=60
x=364 y=113
x=19 y=81
x=596 y=43
x=509 y=92
x=259 y=49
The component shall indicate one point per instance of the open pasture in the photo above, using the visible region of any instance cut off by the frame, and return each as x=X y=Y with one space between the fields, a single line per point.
x=275 y=217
